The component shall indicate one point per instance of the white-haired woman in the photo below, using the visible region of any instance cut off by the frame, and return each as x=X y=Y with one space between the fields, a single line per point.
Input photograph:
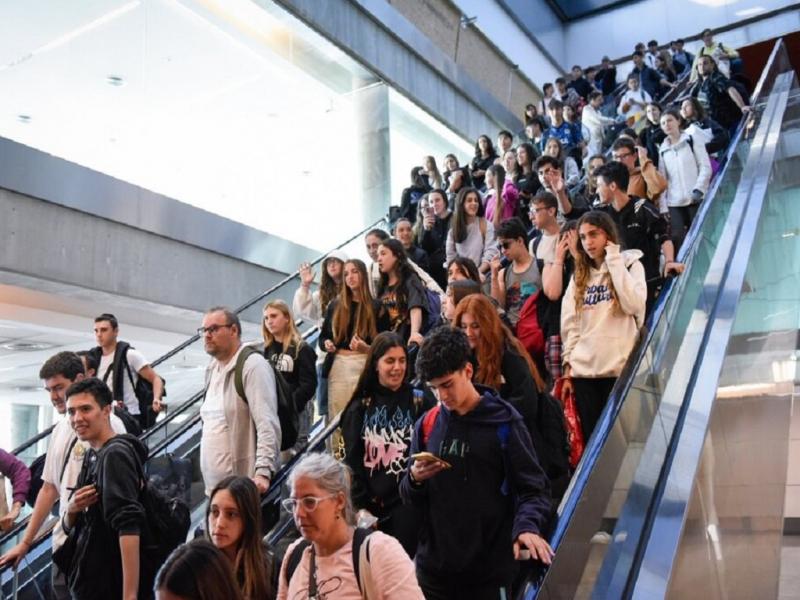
x=323 y=562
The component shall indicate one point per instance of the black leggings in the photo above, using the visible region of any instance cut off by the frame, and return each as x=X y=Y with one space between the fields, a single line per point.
x=591 y=396
x=680 y=219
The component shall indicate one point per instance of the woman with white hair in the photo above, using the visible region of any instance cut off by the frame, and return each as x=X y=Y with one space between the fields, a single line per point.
x=334 y=559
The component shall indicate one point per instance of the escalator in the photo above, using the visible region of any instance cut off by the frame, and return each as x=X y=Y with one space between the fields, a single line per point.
x=606 y=533
x=177 y=434
x=642 y=516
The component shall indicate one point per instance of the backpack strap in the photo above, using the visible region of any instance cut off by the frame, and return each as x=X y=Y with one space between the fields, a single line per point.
x=294 y=558
x=120 y=361
x=66 y=459
x=361 y=565
x=238 y=372
x=428 y=421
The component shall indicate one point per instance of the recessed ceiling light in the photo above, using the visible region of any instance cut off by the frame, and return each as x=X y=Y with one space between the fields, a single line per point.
x=24 y=118
x=115 y=80
x=27 y=346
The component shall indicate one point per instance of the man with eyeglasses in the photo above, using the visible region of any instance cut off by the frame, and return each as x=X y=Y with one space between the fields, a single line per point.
x=241 y=435
x=644 y=179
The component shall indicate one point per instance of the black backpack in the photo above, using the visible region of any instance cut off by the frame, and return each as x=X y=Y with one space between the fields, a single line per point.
x=359 y=536
x=37 y=470
x=288 y=414
x=142 y=389
x=167 y=520
x=553 y=431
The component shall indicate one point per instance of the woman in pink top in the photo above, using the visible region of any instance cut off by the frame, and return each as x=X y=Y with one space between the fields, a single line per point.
x=509 y=197
x=323 y=561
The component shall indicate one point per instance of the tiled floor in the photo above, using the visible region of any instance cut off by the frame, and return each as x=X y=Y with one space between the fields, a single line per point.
x=789 y=587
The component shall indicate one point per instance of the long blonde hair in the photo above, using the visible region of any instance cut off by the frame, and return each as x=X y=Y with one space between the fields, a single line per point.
x=292 y=336
x=366 y=323
x=583 y=262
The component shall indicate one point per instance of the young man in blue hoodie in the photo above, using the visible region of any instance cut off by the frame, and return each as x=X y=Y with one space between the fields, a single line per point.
x=486 y=499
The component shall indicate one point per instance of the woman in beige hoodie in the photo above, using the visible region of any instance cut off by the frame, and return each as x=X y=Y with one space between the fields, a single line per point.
x=601 y=313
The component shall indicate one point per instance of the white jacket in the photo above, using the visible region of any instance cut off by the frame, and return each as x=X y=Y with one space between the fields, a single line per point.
x=598 y=338
x=686 y=167
x=596 y=124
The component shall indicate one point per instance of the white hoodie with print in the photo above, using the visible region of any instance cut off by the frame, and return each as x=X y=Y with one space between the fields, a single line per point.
x=599 y=337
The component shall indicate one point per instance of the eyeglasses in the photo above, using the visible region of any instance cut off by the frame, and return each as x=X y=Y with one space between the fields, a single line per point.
x=619 y=157
x=504 y=245
x=212 y=329
x=533 y=210
x=309 y=503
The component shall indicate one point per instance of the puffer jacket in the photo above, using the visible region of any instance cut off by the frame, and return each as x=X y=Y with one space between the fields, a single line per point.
x=686 y=167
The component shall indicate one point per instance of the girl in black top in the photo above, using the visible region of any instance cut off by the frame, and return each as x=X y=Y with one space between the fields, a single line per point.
x=409 y=201
x=351 y=322
x=401 y=293
x=485 y=156
x=431 y=234
x=652 y=135
x=296 y=361
x=377 y=425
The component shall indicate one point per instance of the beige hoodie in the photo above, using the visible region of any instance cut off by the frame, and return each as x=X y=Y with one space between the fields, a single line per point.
x=599 y=338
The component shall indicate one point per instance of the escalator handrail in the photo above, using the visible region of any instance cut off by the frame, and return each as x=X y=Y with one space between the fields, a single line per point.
x=625 y=380
x=43 y=434
x=688 y=404
x=268 y=292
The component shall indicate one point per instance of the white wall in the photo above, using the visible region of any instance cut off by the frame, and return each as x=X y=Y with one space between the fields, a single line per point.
x=616 y=32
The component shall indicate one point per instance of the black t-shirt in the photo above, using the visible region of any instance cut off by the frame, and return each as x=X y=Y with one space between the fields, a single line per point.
x=642 y=228
x=399 y=315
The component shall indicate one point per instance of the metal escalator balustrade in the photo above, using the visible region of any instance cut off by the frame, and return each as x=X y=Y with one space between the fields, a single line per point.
x=657 y=559
x=656 y=369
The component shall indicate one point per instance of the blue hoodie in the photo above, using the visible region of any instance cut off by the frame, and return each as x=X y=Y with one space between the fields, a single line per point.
x=477 y=509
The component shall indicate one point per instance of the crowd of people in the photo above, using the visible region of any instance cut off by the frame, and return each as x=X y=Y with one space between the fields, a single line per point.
x=506 y=286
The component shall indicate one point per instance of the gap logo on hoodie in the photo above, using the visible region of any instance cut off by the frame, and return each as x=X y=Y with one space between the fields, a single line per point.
x=386 y=439
x=595 y=294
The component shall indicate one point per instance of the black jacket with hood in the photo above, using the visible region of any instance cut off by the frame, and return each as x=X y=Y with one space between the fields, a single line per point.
x=117 y=471
x=494 y=491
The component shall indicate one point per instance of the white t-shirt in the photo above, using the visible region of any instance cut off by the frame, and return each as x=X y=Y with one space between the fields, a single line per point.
x=61 y=440
x=137 y=362
x=546 y=250
x=216 y=461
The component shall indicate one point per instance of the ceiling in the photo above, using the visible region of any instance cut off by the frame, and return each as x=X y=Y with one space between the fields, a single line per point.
x=570 y=10
x=223 y=104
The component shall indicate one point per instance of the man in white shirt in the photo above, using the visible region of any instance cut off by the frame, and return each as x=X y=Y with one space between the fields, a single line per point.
x=241 y=436
x=61 y=467
x=106 y=332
